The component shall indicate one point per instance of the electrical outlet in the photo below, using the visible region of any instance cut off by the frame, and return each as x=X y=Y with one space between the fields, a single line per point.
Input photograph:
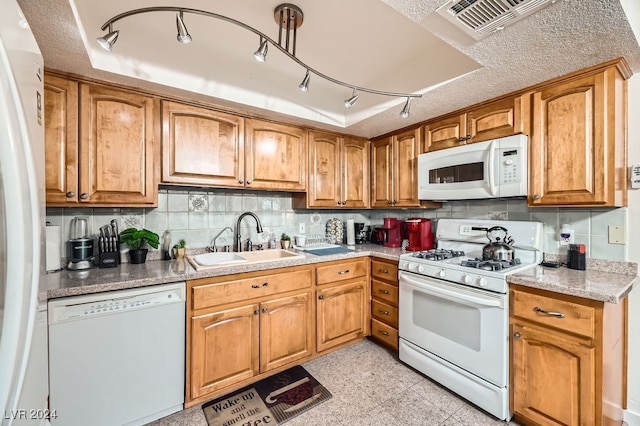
x=302 y=228
x=616 y=235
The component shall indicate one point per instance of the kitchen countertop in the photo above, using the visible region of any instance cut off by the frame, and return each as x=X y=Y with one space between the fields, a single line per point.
x=606 y=281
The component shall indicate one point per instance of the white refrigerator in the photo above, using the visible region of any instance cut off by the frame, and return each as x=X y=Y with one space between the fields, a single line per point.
x=23 y=353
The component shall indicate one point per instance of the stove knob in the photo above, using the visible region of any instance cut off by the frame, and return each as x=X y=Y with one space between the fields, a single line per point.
x=466 y=278
x=442 y=273
x=403 y=265
x=481 y=282
x=421 y=269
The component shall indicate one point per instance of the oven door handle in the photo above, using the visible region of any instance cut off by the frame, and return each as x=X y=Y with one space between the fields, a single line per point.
x=456 y=296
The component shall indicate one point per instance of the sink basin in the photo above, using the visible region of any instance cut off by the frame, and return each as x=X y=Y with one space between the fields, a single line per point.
x=212 y=260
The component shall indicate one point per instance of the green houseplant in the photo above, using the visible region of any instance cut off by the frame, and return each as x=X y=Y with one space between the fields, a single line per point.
x=137 y=240
x=180 y=249
x=285 y=241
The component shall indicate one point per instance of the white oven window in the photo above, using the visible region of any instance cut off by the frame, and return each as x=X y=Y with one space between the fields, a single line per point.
x=451 y=320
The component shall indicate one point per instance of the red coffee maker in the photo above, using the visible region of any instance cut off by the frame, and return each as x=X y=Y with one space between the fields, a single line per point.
x=393 y=230
x=420 y=235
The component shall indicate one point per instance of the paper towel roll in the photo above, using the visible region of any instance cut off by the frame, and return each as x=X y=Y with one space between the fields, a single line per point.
x=53 y=235
x=351 y=233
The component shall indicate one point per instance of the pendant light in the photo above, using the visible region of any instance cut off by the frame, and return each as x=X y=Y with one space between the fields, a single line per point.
x=349 y=103
x=183 y=34
x=304 y=86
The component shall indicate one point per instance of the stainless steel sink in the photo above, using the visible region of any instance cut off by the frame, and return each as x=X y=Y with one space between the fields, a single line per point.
x=212 y=260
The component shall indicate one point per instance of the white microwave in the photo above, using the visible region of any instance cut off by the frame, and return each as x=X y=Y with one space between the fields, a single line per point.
x=490 y=169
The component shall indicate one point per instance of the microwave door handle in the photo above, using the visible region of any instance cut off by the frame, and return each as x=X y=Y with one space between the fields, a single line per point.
x=491 y=173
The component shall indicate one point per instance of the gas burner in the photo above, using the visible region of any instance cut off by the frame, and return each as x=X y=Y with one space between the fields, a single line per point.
x=438 y=254
x=490 y=265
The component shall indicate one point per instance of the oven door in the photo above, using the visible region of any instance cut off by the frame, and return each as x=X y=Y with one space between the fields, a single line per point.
x=462 y=325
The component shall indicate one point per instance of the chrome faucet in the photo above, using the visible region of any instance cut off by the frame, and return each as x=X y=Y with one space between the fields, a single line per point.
x=212 y=248
x=238 y=239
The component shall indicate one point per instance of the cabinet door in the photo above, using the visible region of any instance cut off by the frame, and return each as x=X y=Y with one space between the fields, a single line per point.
x=355 y=173
x=341 y=314
x=286 y=331
x=571 y=154
x=553 y=378
x=495 y=120
x=405 y=169
x=324 y=170
x=224 y=349
x=276 y=156
x=201 y=146
x=118 y=133
x=381 y=173
x=61 y=140
x=445 y=133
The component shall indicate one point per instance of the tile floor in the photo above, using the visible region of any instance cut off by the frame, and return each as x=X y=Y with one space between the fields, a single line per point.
x=370 y=387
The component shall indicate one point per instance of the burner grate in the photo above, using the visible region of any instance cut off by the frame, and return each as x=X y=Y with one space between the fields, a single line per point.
x=438 y=254
x=490 y=265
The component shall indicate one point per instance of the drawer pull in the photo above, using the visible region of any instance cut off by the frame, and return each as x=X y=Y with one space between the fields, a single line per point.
x=384 y=291
x=346 y=271
x=552 y=314
x=384 y=271
x=259 y=286
x=384 y=333
x=384 y=312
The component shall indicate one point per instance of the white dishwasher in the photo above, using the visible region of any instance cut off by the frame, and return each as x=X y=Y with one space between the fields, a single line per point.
x=117 y=358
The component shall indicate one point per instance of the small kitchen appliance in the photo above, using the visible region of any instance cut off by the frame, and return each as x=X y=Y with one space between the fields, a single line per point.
x=392 y=230
x=361 y=233
x=80 y=246
x=577 y=257
x=420 y=234
x=453 y=307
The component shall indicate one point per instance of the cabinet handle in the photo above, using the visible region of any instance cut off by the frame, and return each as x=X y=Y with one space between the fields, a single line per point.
x=390 y=202
x=384 y=291
x=550 y=313
x=346 y=271
x=265 y=310
x=256 y=312
x=71 y=194
x=394 y=202
x=249 y=182
x=84 y=195
x=516 y=335
x=384 y=271
x=384 y=312
x=321 y=297
x=240 y=180
x=536 y=197
x=464 y=139
x=384 y=333
x=259 y=285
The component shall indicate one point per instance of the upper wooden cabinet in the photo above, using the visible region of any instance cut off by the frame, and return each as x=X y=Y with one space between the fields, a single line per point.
x=276 y=156
x=338 y=173
x=577 y=146
x=112 y=161
x=61 y=140
x=394 y=173
x=201 y=146
x=487 y=121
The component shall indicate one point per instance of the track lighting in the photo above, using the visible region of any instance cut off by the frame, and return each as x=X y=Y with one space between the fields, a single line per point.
x=352 y=100
x=289 y=18
x=405 y=110
x=304 y=86
x=261 y=53
x=183 y=34
x=109 y=39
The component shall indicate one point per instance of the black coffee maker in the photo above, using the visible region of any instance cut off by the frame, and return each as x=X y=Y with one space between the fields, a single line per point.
x=361 y=233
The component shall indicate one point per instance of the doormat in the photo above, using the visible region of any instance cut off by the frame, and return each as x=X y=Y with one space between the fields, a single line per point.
x=273 y=400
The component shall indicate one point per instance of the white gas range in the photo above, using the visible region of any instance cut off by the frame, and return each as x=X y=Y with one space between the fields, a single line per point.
x=453 y=312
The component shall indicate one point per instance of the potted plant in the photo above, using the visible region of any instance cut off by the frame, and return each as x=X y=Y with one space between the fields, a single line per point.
x=137 y=240
x=180 y=249
x=285 y=241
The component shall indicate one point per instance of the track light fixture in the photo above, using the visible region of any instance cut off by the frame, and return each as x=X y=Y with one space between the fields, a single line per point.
x=108 y=40
x=304 y=86
x=352 y=100
x=183 y=34
x=261 y=53
x=289 y=18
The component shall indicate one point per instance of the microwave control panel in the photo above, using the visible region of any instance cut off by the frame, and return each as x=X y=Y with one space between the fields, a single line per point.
x=510 y=170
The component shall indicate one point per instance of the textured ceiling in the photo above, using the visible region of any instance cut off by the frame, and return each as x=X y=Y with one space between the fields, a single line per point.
x=395 y=45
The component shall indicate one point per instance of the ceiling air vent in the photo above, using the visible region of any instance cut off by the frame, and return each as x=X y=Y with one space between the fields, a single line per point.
x=480 y=18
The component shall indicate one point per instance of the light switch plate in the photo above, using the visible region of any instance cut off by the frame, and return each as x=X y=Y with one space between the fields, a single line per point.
x=302 y=228
x=617 y=235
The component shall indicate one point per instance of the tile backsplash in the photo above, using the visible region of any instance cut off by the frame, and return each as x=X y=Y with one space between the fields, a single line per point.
x=198 y=216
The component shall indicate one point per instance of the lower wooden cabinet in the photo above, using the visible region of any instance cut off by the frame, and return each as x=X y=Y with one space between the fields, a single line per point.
x=384 y=302
x=567 y=359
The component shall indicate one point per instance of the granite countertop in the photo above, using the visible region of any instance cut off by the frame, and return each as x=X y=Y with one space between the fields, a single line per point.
x=606 y=281
x=73 y=283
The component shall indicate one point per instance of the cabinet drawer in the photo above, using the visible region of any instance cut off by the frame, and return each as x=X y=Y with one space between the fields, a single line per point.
x=385 y=313
x=577 y=318
x=341 y=271
x=248 y=288
x=385 y=292
x=384 y=271
x=384 y=333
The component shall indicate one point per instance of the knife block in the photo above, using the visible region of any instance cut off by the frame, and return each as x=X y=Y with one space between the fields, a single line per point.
x=108 y=259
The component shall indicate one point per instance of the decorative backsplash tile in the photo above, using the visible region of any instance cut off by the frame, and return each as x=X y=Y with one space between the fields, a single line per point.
x=198 y=203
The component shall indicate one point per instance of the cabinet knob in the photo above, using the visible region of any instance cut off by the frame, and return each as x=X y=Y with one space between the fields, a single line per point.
x=71 y=194
x=249 y=182
x=321 y=297
x=384 y=291
x=385 y=271
x=516 y=335
x=265 y=310
x=256 y=312
x=84 y=195
x=240 y=180
x=383 y=312
x=536 y=197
